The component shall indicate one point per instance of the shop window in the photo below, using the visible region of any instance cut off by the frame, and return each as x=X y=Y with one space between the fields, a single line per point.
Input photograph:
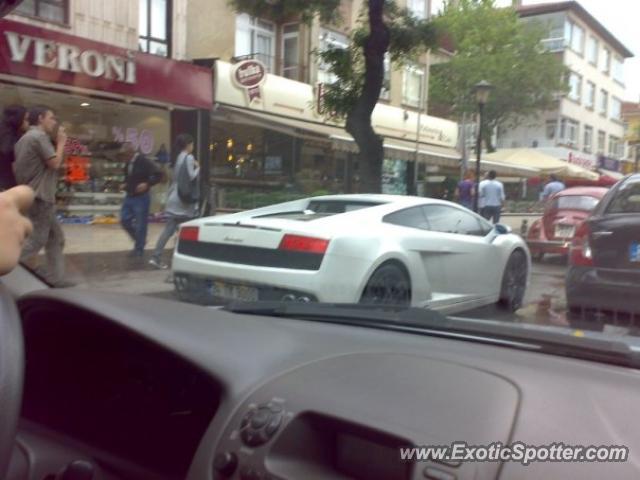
x=256 y=38
x=155 y=27
x=329 y=39
x=291 y=51
x=56 y=11
x=412 y=88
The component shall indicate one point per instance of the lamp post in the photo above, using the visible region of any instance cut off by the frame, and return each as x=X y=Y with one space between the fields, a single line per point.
x=481 y=90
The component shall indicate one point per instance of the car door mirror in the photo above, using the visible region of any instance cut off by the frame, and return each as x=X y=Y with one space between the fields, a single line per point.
x=502 y=229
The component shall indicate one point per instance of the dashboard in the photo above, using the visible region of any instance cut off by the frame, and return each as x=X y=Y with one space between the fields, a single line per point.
x=141 y=388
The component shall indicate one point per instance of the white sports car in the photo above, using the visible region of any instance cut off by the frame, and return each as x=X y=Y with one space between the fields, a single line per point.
x=383 y=249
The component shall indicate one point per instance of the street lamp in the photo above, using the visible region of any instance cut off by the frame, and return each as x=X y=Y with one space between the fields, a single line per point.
x=481 y=90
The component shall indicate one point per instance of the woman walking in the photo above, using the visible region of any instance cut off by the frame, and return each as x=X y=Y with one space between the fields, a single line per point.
x=177 y=210
x=13 y=124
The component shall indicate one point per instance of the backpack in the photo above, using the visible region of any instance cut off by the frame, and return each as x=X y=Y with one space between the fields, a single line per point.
x=188 y=189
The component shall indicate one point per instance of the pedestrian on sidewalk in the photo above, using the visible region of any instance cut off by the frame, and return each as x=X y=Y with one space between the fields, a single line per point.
x=183 y=195
x=493 y=197
x=14 y=123
x=465 y=191
x=140 y=175
x=36 y=165
x=554 y=186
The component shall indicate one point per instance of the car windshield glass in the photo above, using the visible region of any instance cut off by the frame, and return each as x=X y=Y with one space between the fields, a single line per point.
x=207 y=152
x=575 y=202
x=627 y=201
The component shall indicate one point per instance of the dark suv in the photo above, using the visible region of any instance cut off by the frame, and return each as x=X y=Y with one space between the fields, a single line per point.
x=604 y=259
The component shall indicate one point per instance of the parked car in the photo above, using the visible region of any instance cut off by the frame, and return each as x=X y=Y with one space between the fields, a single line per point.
x=604 y=262
x=563 y=212
x=381 y=249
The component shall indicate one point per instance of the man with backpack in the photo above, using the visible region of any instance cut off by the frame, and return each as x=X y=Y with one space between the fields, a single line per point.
x=183 y=196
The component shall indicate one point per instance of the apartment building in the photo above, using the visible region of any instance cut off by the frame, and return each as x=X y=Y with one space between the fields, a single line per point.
x=109 y=69
x=586 y=126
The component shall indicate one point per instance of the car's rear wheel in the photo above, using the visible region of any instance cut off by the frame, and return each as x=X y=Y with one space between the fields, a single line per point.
x=389 y=285
x=514 y=281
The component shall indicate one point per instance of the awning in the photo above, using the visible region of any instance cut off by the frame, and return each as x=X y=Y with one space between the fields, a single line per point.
x=339 y=138
x=545 y=164
x=611 y=173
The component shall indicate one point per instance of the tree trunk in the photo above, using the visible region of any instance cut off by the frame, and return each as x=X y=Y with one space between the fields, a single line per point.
x=487 y=137
x=359 y=119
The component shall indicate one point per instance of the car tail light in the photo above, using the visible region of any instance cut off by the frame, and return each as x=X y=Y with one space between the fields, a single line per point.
x=299 y=243
x=580 y=251
x=189 y=233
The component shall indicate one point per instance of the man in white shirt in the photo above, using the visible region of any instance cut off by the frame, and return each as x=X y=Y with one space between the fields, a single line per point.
x=554 y=186
x=492 y=197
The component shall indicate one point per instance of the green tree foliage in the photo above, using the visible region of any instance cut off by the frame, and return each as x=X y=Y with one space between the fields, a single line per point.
x=494 y=44
x=383 y=27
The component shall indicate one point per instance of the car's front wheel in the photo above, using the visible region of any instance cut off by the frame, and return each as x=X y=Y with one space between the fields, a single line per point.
x=389 y=285
x=514 y=281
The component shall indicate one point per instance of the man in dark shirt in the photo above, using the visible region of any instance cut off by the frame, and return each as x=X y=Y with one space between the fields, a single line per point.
x=140 y=175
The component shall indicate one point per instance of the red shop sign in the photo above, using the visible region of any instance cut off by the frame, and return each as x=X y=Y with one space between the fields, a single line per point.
x=37 y=53
x=250 y=75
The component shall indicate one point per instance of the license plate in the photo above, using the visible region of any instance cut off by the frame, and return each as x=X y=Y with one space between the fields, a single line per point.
x=233 y=292
x=565 y=231
x=634 y=252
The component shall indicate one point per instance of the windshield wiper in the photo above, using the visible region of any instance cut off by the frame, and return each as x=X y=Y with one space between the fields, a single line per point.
x=429 y=322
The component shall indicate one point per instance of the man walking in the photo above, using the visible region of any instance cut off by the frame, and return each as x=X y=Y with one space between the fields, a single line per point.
x=492 y=196
x=36 y=165
x=140 y=175
x=554 y=186
x=465 y=191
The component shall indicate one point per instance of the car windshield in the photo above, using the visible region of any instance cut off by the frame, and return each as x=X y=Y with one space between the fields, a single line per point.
x=251 y=150
x=575 y=202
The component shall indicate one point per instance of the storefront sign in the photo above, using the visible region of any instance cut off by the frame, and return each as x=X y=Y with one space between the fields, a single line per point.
x=250 y=75
x=61 y=59
x=580 y=160
x=608 y=163
x=62 y=56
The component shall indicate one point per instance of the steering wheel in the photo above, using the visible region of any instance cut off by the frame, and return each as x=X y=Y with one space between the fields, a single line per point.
x=11 y=375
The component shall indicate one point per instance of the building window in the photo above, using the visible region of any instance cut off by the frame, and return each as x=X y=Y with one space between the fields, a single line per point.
x=155 y=27
x=574 y=37
x=330 y=39
x=56 y=11
x=618 y=69
x=606 y=61
x=604 y=102
x=616 y=109
x=291 y=51
x=592 y=50
x=385 y=93
x=616 y=147
x=569 y=132
x=551 y=129
x=412 y=85
x=588 y=139
x=602 y=138
x=256 y=38
x=590 y=95
x=417 y=8
x=575 y=87
x=555 y=41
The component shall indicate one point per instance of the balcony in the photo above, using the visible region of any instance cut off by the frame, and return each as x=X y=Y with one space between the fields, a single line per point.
x=554 y=44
